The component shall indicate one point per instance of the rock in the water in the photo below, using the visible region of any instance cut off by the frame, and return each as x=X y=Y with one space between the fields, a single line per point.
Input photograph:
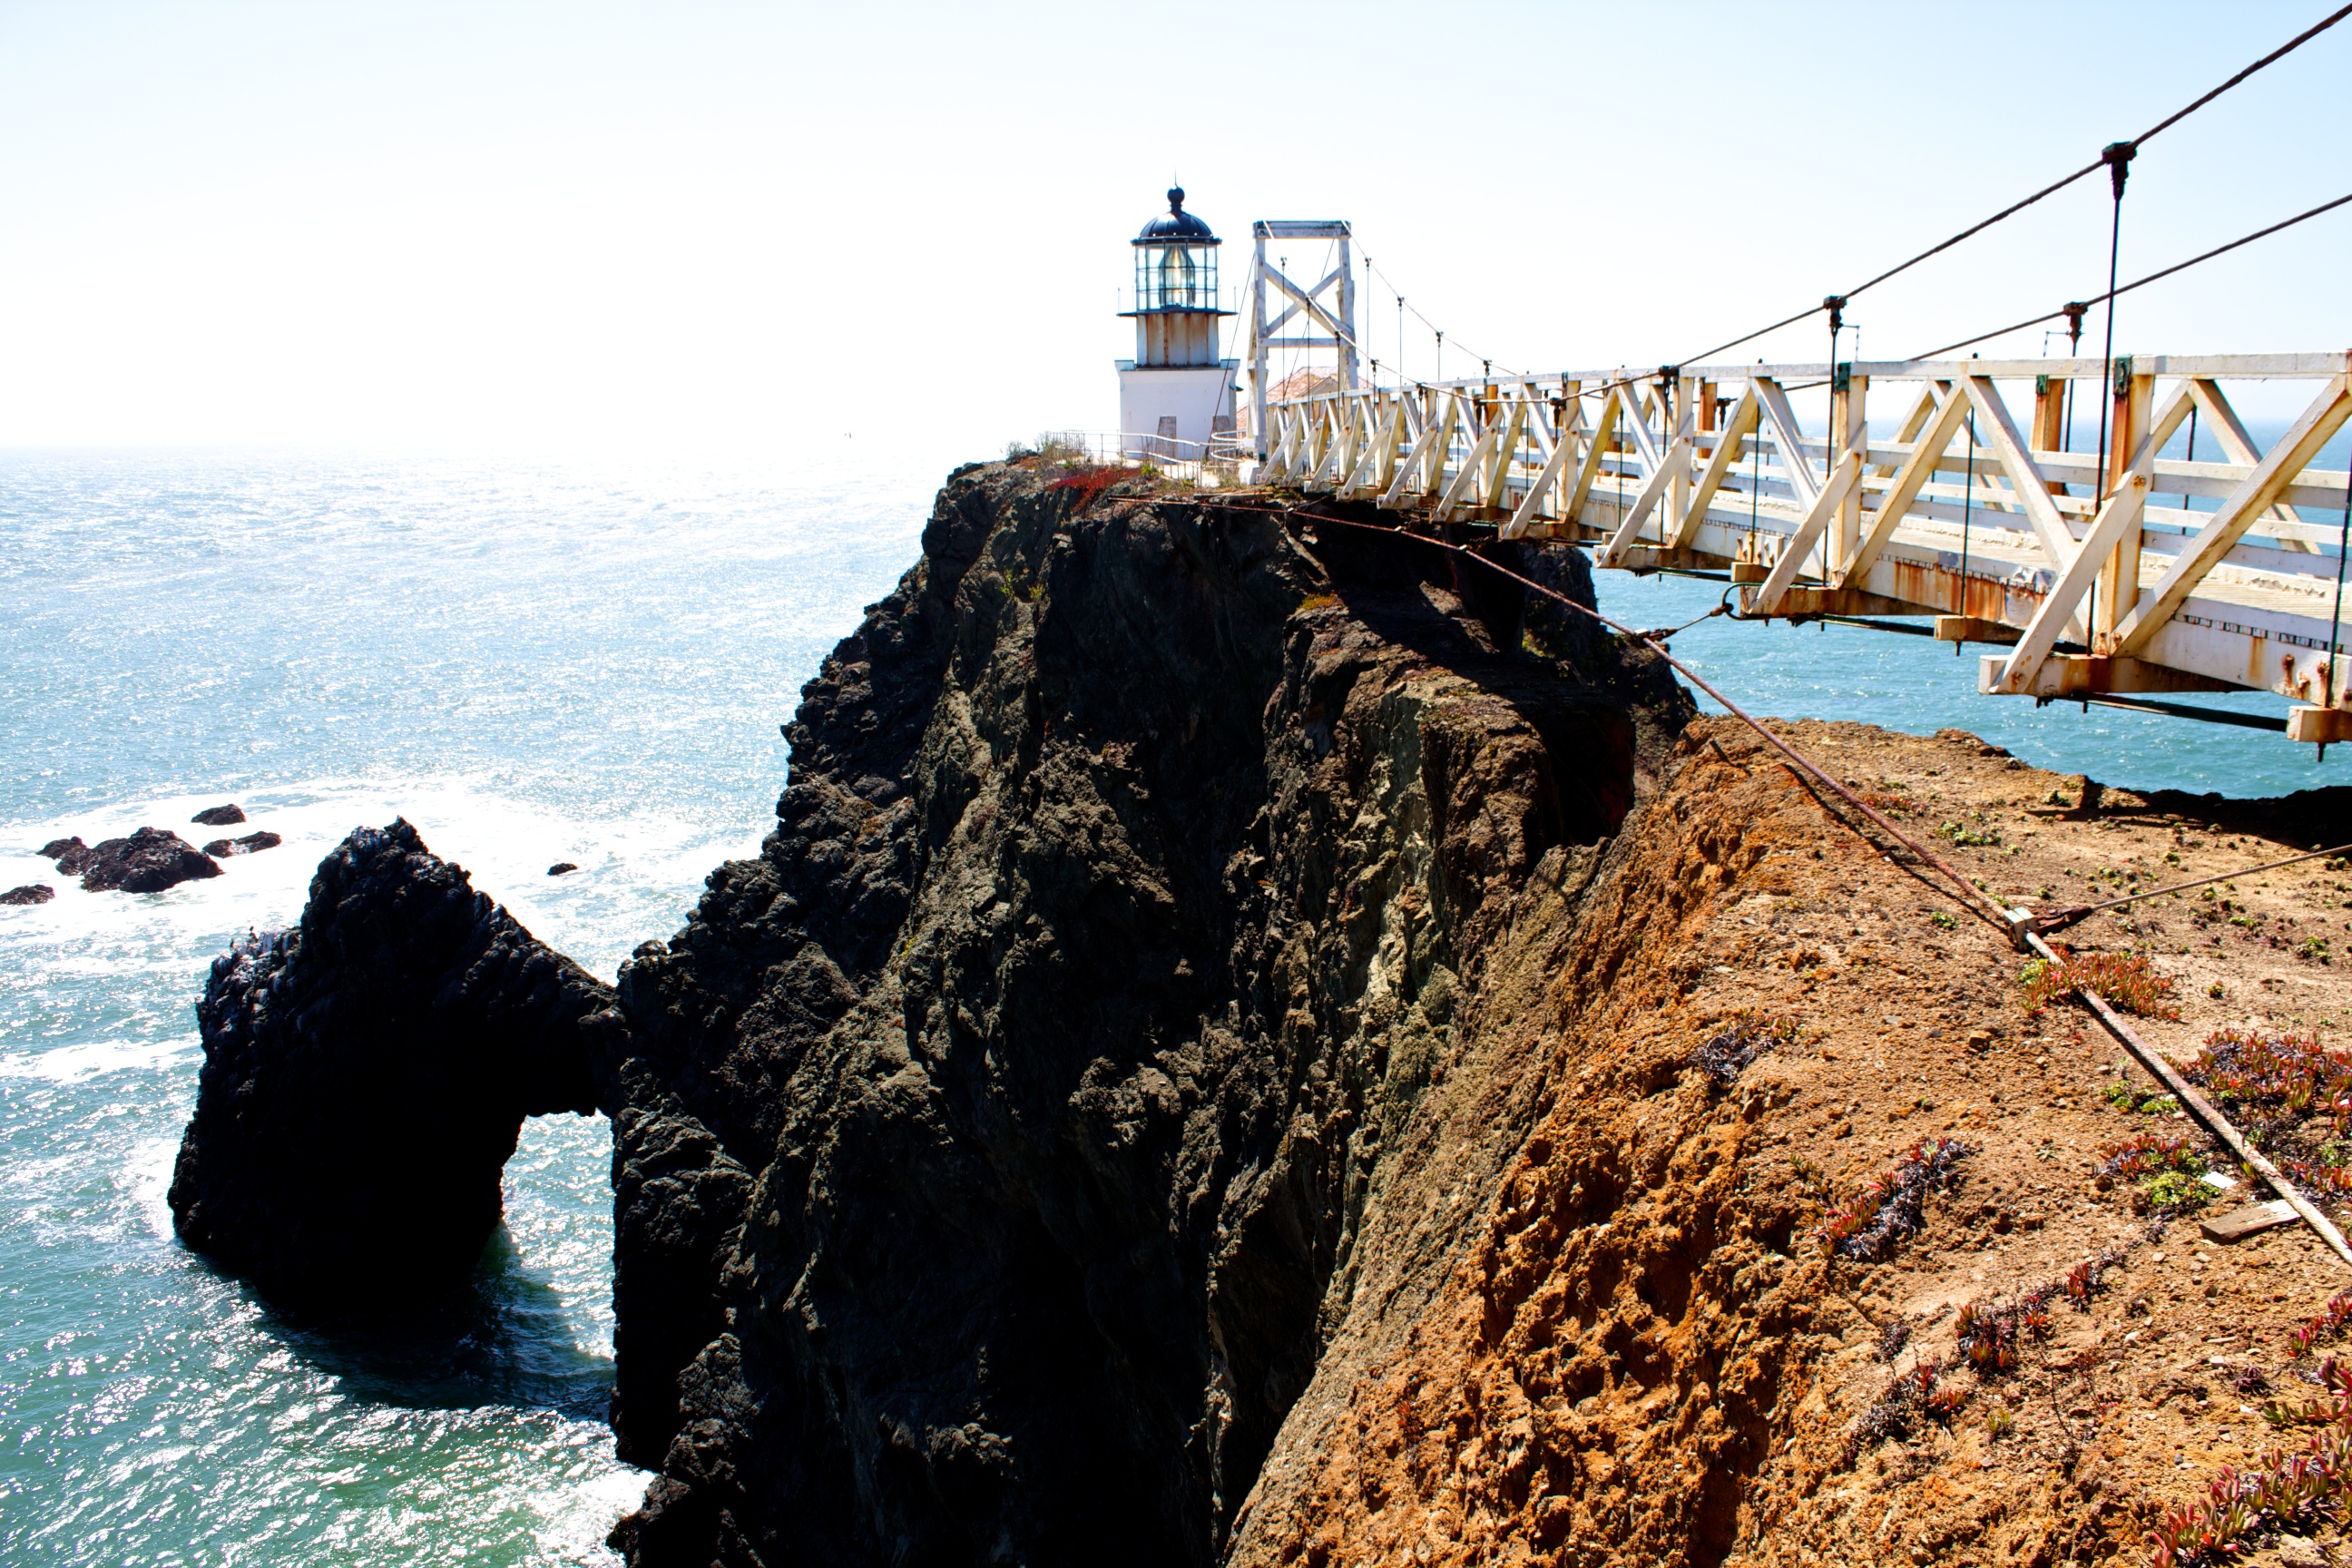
x=149 y=862
x=70 y=854
x=227 y=815
x=365 y=1076
x=562 y=869
x=30 y=893
x=221 y=848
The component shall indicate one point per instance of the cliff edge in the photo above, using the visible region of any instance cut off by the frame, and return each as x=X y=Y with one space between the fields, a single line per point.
x=1134 y=886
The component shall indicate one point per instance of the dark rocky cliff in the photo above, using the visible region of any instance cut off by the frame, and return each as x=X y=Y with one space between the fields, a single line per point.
x=993 y=1145
x=991 y=1153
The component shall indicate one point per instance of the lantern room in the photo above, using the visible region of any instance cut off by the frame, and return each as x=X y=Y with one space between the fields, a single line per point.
x=1176 y=261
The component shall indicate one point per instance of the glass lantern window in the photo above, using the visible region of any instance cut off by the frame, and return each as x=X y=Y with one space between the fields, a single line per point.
x=1176 y=277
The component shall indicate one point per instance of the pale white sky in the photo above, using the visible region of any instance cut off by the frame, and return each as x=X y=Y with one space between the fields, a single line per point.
x=749 y=229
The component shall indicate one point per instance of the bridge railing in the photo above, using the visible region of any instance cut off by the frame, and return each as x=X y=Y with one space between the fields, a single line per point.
x=2118 y=571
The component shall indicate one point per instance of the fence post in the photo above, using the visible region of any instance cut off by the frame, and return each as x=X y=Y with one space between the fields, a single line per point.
x=2135 y=401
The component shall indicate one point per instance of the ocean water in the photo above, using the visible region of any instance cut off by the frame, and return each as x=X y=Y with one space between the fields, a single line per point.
x=1915 y=683
x=533 y=663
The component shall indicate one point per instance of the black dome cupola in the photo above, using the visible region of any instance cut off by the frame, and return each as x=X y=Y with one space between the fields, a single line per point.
x=1175 y=264
x=1176 y=226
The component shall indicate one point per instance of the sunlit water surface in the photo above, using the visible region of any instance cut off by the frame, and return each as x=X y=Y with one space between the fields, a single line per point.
x=533 y=665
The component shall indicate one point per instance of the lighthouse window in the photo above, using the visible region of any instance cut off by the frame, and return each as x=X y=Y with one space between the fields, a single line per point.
x=1176 y=277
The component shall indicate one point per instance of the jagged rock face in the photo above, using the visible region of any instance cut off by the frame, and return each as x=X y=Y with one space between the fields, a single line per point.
x=365 y=1076
x=149 y=862
x=990 y=1149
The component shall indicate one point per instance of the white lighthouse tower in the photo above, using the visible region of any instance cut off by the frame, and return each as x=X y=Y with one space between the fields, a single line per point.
x=1175 y=393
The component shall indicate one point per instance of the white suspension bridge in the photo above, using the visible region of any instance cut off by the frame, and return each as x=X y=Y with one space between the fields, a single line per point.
x=2093 y=580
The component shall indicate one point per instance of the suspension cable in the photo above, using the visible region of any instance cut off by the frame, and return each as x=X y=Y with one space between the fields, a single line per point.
x=2072 y=309
x=2052 y=189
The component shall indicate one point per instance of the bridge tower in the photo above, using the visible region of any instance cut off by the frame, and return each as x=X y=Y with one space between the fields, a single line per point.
x=1329 y=305
x=1176 y=392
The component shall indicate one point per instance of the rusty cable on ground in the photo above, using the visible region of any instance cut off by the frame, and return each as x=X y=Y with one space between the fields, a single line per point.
x=2021 y=930
x=2215 y=1122
x=1660 y=634
x=2051 y=919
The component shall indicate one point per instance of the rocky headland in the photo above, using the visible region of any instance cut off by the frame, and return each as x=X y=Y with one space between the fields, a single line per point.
x=1222 y=1060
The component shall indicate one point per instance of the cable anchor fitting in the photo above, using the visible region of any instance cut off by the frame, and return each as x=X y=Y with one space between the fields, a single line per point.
x=2118 y=157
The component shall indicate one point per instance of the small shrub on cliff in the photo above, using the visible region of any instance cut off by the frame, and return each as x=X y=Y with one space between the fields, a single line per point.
x=2329 y=1323
x=1909 y=1400
x=2297 y=1492
x=1088 y=484
x=2173 y=1193
x=1992 y=1331
x=2291 y=1072
x=2319 y=1176
x=1891 y=1207
x=2128 y=979
x=1726 y=1054
x=2335 y=1381
x=2145 y=1154
x=2286 y=1492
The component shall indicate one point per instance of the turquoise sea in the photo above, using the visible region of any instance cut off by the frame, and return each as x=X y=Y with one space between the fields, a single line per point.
x=533 y=663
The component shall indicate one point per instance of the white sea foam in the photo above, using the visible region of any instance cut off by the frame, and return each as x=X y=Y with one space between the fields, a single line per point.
x=640 y=867
x=74 y=1063
x=150 y=1174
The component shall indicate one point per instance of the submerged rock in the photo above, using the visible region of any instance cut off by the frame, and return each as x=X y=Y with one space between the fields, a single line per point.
x=220 y=848
x=365 y=1076
x=149 y=862
x=227 y=815
x=562 y=869
x=30 y=893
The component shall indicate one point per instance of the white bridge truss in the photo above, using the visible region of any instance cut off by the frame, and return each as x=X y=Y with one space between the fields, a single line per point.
x=2096 y=583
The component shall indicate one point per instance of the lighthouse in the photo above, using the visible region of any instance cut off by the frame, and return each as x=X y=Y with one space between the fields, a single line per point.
x=1176 y=392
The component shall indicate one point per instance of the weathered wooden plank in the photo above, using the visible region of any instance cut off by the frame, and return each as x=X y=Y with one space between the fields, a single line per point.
x=1843 y=478
x=2238 y=1224
x=1789 y=438
x=1905 y=487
